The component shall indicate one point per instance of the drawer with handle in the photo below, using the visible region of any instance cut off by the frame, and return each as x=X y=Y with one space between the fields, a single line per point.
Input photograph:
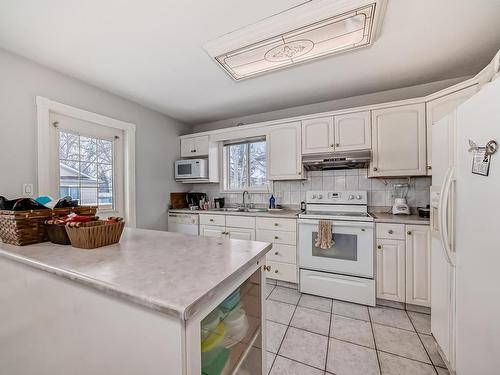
x=281 y=271
x=240 y=221
x=283 y=253
x=390 y=231
x=274 y=236
x=206 y=219
x=272 y=223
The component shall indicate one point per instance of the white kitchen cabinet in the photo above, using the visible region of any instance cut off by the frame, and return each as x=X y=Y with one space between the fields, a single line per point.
x=318 y=135
x=241 y=234
x=284 y=158
x=227 y=226
x=391 y=270
x=398 y=141
x=352 y=131
x=418 y=265
x=212 y=231
x=194 y=146
x=438 y=108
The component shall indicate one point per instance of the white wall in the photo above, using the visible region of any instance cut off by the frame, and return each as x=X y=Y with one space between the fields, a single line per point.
x=332 y=105
x=156 y=144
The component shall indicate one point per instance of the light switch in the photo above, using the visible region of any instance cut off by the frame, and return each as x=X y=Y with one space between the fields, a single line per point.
x=28 y=189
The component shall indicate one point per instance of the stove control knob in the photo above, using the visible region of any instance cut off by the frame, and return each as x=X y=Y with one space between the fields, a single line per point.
x=351 y=197
x=359 y=197
x=320 y=196
x=314 y=196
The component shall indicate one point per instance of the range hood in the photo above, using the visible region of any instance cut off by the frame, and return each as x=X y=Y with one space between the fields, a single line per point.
x=337 y=160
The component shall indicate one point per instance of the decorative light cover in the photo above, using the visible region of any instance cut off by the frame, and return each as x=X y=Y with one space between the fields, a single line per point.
x=330 y=36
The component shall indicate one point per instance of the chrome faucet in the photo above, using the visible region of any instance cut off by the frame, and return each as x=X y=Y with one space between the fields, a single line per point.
x=248 y=194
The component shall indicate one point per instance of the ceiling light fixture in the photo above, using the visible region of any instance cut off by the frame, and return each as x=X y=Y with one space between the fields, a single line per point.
x=335 y=34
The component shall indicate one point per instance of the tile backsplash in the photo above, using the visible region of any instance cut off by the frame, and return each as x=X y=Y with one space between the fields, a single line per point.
x=288 y=193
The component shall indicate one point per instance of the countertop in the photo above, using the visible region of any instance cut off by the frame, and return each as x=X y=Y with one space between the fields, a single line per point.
x=293 y=214
x=168 y=272
x=384 y=217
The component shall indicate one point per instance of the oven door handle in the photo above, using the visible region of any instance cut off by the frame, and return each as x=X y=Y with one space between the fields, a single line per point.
x=338 y=223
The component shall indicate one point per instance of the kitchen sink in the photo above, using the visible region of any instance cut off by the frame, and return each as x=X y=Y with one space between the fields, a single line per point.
x=239 y=209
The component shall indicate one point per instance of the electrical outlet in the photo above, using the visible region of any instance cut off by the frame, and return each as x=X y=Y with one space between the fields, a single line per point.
x=28 y=190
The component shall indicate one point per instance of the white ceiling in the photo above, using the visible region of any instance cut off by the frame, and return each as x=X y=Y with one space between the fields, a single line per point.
x=151 y=51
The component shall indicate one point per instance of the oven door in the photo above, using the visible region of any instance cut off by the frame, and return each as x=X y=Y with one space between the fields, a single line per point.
x=352 y=252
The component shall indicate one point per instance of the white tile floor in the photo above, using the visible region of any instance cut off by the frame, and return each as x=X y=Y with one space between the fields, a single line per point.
x=309 y=335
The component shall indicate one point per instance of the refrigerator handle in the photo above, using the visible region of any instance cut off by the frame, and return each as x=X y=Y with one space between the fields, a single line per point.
x=443 y=215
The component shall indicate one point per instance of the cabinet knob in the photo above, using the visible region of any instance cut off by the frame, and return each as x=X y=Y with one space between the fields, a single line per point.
x=300 y=173
x=375 y=169
x=267 y=268
x=379 y=247
x=390 y=231
x=276 y=271
x=408 y=233
x=331 y=145
x=337 y=144
x=276 y=253
x=276 y=238
x=276 y=224
x=429 y=167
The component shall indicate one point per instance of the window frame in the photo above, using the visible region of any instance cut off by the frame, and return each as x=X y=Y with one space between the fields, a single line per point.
x=48 y=150
x=225 y=165
x=108 y=134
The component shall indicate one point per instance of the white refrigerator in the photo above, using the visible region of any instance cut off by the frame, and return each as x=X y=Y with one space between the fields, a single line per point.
x=465 y=225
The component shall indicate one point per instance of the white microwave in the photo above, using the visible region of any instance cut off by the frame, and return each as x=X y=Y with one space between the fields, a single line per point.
x=191 y=169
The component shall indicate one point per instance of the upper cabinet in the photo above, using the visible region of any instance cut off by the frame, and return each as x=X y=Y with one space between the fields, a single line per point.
x=195 y=146
x=399 y=141
x=284 y=157
x=352 y=131
x=438 y=108
x=317 y=135
x=346 y=132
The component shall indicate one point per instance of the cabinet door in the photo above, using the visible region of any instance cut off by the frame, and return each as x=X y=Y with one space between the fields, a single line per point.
x=187 y=147
x=391 y=270
x=212 y=231
x=353 y=131
x=438 y=108
x=418 y=265
x=201 y=146
x=317 y=135
x=399 y=143
x=284 y=159
x=241 y=233
x=196 y=146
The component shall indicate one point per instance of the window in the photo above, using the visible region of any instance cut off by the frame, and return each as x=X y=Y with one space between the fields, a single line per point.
x=86 y=169
x=246 y=165
x=87 y=156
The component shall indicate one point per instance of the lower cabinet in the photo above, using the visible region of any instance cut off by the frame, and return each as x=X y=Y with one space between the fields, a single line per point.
x=225 y=232
x=403 y=263
x=418 y=265
x=391 y=270
x=227 y=226
x=281 y=261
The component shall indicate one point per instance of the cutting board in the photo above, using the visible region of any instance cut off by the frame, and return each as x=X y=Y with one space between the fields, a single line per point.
x=178 y=200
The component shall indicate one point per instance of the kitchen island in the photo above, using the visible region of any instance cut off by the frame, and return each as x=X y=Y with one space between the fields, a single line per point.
x=134 y=307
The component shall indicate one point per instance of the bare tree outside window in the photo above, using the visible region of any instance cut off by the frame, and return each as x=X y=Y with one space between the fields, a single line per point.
x=246 y=165
x=86 y=169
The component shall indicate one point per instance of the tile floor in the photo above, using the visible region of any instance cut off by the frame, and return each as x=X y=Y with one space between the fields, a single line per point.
x=309 y=335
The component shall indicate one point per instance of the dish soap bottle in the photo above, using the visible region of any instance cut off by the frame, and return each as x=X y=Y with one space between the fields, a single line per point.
x=272 y=202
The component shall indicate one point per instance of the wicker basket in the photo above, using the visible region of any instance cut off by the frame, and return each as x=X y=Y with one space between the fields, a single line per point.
x=57 y=234
x=95 y=234
x=27 y=227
